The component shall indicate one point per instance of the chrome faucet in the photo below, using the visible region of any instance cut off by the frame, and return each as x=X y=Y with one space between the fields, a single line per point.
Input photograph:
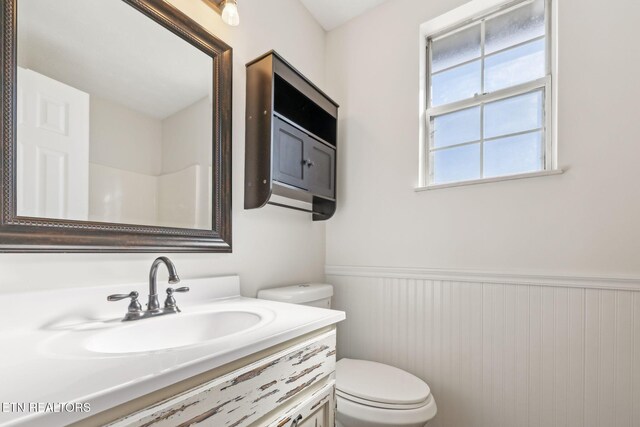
x=135 y=311
x=153 y=304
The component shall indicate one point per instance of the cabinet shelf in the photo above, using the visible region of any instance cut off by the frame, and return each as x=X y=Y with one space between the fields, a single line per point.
x=291 y=138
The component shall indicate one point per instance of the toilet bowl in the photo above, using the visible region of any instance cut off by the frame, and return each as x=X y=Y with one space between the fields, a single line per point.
x=371 y=394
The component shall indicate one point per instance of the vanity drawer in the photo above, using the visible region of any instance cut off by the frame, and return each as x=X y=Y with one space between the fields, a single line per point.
x=243 y=396
x=317 y=410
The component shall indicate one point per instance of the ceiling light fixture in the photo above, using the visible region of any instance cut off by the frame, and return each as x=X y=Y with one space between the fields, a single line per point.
x=230 y=14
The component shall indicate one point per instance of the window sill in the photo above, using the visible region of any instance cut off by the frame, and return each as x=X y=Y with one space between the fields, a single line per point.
x=487 y=180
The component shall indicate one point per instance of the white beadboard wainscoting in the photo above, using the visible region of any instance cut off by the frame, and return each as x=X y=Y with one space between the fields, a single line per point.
x=500 y=350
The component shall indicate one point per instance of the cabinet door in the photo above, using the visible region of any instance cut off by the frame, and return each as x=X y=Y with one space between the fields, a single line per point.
x=316 y=410
x=321 y=163
x=320 y=418
x=288 y=154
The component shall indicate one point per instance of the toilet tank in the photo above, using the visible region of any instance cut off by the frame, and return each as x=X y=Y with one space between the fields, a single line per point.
x=312 y=294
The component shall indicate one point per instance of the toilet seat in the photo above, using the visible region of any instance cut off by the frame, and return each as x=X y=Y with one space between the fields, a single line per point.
x=352 y=414
x=380 y=404
x=379 y=385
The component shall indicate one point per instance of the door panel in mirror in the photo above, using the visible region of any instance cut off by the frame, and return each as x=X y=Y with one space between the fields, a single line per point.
x=53 y=154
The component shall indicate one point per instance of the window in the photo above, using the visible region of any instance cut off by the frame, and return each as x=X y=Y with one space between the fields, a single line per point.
x=488 y=96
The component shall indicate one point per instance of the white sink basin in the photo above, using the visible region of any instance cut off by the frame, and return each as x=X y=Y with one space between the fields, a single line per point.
x=170 y=331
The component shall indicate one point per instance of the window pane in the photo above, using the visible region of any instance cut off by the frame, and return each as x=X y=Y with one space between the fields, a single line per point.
x=518 y=26
x=512 y=115
x=456 y=128
x=456 y=164
x=515 y=66
x=455 y=49
x=456 y=84
x=514 y=154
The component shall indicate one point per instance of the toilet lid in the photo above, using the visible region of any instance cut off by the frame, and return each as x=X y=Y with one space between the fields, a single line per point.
x=379 y=383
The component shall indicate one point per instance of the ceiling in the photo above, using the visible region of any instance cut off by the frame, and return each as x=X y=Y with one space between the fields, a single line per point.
x=333 y=13
x=110 y=50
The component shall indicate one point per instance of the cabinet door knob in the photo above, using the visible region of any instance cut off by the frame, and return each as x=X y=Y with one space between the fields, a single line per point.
x=309 y=162
x=296 y=421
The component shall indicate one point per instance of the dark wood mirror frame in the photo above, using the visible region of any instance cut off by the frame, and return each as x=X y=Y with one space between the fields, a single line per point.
x=27 y=234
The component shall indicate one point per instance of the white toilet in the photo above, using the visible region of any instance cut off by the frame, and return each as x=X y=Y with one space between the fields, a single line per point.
x=369 y=394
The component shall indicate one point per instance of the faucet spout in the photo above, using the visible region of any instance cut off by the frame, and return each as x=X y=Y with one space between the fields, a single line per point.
x=154 y=303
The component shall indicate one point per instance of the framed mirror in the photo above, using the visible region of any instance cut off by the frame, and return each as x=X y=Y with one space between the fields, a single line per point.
x=116 y=129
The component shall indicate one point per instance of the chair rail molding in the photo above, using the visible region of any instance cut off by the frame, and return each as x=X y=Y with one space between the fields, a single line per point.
x=535 y=279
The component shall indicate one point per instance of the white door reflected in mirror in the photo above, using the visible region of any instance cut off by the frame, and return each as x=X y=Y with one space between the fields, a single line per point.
x=114 y=117
x=53 y=148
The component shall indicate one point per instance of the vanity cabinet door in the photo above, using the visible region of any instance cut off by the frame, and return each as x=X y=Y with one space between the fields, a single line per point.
x=289 y=163
x=321 y=163
x=316 y=410
x=320 y=418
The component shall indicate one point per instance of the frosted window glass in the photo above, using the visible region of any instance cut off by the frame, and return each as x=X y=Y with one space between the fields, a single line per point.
x=513 y=155
x=455 y=84
x=495 y=57
x=456 y=164
x=455 y=49
x=515 y=66
x=512 y=115
x=456 y=128
x=518 y=26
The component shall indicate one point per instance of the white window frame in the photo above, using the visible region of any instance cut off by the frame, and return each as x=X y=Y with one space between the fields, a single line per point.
x=474 y=13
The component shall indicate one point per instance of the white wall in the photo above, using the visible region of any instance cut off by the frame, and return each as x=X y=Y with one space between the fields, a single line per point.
x=271 y=245
x=125 y=155
x=583 y=222
x=186 y=137
x=123 y=138
x=523 y=344
x=186 y=145
x=142 y=168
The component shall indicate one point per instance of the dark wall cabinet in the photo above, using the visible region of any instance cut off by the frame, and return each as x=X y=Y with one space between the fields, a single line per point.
x=291 y=136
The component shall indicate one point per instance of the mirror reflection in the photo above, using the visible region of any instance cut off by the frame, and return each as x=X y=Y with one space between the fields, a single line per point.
x=111 y=127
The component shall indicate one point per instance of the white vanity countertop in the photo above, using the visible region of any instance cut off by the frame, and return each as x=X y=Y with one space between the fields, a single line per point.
x=44 y=335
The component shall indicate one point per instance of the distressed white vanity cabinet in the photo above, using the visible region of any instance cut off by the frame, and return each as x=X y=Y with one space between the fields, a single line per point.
x=293 y=386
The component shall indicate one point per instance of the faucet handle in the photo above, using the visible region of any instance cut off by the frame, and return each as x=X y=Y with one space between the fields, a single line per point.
x=170 y=302
x=181 y=289
x=117 y=297
x=134 y=306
